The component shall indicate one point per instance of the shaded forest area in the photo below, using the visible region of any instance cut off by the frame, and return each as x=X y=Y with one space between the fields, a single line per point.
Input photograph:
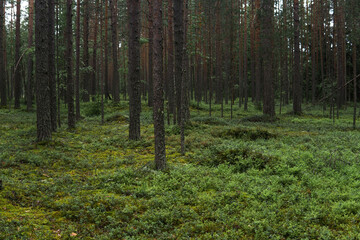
x=178 y=119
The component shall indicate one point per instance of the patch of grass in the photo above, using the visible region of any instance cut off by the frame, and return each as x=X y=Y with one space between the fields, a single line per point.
x=241 y=178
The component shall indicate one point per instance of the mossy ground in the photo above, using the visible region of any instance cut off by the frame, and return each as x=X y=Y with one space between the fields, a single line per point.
x=294 y=178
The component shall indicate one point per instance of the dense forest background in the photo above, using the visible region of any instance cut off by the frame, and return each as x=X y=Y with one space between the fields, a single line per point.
x=248 y=107
x=263 y=51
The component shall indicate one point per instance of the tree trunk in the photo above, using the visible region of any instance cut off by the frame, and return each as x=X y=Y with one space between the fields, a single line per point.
x=17 y=86
x=134 y=68
x=86 y=75
x=106 y=50
x=30 y=63
x=115 y=82
x=355 y=80
x=2 y=55
x=340 y=27
x=52 y=80
x=94 y=72
x=77 y=81
x=170 y=70
x=296 y=72
x=68 y=57
x=43 y=118
x=179 y=45
x=267 y=39
x=245 y=61
x=257 y=54
x=150 y=56
x=159 y=129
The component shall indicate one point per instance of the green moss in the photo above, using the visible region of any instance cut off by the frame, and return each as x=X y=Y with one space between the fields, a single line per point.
x=293 y=178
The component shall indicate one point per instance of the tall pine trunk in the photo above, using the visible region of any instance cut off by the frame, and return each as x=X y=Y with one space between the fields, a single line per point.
x=30 y=63
x=43 y=118
x=17 y=86
x=159 y=128
x=52 y=80
x=134 y=68
x=68 y=57
x=2 y=56
x=267 y=39
x=115 y=80
x=296 y=72
x=77 y=80
x=179 y=44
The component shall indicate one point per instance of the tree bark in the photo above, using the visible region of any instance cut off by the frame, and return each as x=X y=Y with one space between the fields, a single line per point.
x=115 y=82
x=17 y=86
x=52 y=80
x=179 y=45
x=30 y=63
x=106 y=50
x=267 y=39
x=68 y=57
x=150 y=54
x=77 y=81
x=2 y=56
x=86 y=75
x=134 y=68
x=297 y=91
x=94 y=72
x=170 y=66
x=245 y=61
x=355 y=80
x=159 y=129
x=41 y=70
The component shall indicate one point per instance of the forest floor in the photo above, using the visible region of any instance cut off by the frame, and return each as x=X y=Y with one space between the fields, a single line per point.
x=295 y=178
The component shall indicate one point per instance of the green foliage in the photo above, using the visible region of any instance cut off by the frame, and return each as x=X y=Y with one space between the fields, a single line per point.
x=92 y=109
x=294 y=178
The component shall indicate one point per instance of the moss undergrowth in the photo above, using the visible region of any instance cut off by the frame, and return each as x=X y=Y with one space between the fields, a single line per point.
x=294 y=177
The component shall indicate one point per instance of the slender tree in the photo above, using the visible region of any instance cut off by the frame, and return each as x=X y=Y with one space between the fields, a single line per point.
x=51 y=61
x=115 y=82
x=150 y=54
x=267 y=39
x=2 y=56
x=17 y=87
x=86 y=75
x=41 y=71
x=30 y=63
x=245 y=59
x=69 y=54
x=170 y=65
x=179 y=45
x=94 y=70
x=159 y=128
x=134 y=68
x=296 y=71
x=77 y=70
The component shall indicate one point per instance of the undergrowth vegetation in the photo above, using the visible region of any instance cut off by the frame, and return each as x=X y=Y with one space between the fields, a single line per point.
x=294 y=177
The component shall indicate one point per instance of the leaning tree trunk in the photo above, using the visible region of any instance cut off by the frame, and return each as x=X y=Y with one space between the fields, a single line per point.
x=43 y=119
x=134 y=68
x=70 y=83
x=159 y=128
